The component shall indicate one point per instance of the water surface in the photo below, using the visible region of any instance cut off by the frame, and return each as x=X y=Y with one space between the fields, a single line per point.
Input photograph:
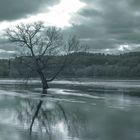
x=73 y=110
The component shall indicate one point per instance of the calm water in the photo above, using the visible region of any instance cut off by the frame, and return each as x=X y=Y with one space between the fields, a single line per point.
x=72 y=110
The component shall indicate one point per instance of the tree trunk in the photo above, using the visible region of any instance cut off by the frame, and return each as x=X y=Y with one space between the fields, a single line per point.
x=43 y=81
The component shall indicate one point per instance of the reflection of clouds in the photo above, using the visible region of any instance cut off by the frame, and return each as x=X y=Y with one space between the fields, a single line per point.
x=105 y=83
x=73 y=93
x=118 y=101
x=79 y=82
x=102 y=119
x=61 y=131
x=52 y=120
x=7 y=116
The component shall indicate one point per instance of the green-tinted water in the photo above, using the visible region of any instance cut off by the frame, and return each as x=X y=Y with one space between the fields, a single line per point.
x=72 y=110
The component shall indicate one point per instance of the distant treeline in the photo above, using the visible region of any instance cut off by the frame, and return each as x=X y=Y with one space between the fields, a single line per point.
x=78 y=65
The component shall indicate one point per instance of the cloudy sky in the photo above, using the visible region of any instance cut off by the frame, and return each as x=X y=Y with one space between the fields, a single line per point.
x=107 y=26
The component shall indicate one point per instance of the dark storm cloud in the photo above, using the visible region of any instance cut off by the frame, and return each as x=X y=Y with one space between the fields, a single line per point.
x=103 y=24
x=14 y=9
x=6 y=45
x=89 y=12
x=106 y=24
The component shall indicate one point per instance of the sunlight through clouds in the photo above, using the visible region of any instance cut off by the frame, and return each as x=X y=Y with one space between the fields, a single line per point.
x=58 y=15
x=124 y=47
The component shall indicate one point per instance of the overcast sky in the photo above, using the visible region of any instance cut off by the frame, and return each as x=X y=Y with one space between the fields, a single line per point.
x=107 y=26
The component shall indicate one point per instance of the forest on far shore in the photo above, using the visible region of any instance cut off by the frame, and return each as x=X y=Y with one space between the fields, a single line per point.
x=90 y=65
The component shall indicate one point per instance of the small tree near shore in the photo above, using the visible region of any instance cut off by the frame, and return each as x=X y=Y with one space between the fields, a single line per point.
x=36 y=42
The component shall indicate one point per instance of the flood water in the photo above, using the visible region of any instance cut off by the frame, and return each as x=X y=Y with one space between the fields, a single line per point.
x=72 y=110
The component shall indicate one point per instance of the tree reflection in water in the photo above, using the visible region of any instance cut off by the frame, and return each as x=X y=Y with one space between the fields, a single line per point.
x=49 y=119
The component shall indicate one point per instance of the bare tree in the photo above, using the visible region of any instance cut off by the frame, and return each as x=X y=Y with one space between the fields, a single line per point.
x=37 y=42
